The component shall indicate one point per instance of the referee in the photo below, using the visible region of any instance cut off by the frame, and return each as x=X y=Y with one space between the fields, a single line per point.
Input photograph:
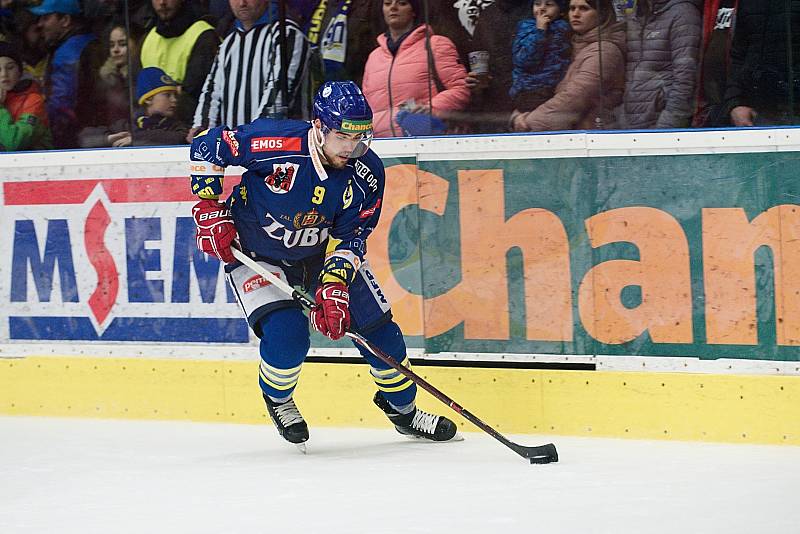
x=244 y=81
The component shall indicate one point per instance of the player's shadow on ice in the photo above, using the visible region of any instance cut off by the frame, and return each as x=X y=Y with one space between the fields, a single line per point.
x=326 y=449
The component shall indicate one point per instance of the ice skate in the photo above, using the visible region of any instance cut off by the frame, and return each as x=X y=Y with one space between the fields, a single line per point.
x=289 y=422
x=418 y=423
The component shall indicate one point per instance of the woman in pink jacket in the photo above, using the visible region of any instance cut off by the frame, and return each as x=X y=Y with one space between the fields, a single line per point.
x=397 y=76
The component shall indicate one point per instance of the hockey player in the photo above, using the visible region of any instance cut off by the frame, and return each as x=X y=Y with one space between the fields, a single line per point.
x=304 y=209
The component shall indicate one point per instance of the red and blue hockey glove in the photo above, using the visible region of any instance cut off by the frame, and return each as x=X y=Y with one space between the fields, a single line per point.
x=331 y=315
x=215 y=230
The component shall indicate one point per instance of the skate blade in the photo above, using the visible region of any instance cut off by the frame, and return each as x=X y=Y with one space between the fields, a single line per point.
x=456 y=437
x=301 y=447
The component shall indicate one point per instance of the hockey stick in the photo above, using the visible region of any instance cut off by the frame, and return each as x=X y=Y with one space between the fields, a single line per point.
x=542 y=454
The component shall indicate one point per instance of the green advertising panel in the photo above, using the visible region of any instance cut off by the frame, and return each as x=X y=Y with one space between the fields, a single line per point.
x=695 y=255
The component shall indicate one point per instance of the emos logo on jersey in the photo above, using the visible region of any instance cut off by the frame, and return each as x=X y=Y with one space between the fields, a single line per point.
x=111 y=260
x=274 y=144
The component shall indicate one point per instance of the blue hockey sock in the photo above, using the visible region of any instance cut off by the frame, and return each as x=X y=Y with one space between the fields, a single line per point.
x=284 y=346
x=394 y=387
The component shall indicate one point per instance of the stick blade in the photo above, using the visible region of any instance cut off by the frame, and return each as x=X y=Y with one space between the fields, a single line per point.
x=543 y=454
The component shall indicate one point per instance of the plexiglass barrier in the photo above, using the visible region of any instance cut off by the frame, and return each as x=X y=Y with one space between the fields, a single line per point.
x=110 y=73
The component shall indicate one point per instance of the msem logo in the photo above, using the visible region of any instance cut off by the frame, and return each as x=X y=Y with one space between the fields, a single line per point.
x=111 y=260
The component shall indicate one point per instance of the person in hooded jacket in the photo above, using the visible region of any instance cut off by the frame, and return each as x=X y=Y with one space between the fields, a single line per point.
x=412 y=71
x=23 y=117
x=595 y=79
x=662 y=63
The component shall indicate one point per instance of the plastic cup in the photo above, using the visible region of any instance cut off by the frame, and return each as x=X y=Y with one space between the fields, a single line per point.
x=479 y=62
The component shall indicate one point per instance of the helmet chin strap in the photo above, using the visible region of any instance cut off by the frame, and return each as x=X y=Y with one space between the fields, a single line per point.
x=319 y=139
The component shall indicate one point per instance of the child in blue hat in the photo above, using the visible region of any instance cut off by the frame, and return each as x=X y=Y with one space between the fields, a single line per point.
x=541 y=52
x=153 y=82
x=157 y=94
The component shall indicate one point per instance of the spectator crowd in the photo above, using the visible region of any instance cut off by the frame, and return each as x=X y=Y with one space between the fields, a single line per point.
x=111 y=73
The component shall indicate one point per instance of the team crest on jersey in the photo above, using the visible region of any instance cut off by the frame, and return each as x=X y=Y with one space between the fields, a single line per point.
x=308 y=219
x=282 y=178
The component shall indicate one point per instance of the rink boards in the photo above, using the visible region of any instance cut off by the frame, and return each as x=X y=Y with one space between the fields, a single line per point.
x=674 y=255
x=679 y=406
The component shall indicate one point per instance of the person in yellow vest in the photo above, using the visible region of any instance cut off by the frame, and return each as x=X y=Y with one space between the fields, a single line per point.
x=183 y=46
x=31 y=46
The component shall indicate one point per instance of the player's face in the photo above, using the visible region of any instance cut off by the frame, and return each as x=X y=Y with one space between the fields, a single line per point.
x=546 y=8
x=9 y=73
x=339 y=147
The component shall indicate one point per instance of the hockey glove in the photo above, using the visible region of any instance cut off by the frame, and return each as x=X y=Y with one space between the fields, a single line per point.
x=215 y=230
x=331 y=315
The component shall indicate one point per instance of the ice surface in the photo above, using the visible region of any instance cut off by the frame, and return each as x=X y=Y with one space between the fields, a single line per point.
x=87 y=476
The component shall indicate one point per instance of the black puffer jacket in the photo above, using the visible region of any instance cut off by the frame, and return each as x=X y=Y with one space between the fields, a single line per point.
x=495 y=32
x=662 y=64
x=762 y=77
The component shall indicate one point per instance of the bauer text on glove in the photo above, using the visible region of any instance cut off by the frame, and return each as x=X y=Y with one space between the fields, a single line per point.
x=331 y=315
x=215 y=230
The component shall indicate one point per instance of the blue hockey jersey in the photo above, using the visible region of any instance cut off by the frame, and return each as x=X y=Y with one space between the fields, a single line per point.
x=289 y=206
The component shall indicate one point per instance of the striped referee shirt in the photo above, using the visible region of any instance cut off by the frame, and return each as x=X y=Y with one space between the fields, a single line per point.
x=244 y=81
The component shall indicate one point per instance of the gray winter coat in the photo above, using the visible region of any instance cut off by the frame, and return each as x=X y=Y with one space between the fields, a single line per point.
x=662 y=65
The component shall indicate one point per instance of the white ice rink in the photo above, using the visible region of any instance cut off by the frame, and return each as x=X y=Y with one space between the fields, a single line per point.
x=92 y=476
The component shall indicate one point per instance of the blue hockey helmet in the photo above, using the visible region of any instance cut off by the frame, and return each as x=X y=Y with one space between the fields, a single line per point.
x=341 y=106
